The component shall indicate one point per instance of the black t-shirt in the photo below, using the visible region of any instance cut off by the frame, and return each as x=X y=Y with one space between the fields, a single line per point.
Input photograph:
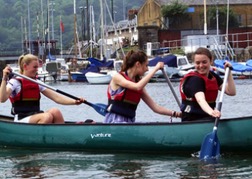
x=195 y=84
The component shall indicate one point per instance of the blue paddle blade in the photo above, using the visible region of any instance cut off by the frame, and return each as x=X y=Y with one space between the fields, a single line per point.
x=210 y=147
x=100 y=108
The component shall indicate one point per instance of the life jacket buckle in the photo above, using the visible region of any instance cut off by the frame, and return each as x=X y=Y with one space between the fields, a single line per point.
x=188 y=108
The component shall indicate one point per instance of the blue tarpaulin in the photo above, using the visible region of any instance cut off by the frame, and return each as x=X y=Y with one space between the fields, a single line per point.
x=51 y=58
x=236 y=66
x=96 y=64
x=99 y=63
x=170 y=60
x=249 y=63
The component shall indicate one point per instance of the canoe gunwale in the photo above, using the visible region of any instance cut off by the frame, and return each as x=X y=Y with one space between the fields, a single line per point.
x=9 y=119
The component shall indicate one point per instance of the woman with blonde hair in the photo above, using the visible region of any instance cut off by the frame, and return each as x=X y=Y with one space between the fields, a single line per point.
x=25 y=95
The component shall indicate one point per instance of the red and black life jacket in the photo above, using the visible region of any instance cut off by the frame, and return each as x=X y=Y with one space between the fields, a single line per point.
x=124 y=103
x=211 y=93
x=28 y=99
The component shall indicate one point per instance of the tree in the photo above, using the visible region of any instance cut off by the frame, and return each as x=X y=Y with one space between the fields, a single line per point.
x=12 y=10
x=176 y=13
x=233 y=21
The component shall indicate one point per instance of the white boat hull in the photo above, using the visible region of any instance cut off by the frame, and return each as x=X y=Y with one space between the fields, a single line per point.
x=64 y=77
x=98 y=78
x=178 y=66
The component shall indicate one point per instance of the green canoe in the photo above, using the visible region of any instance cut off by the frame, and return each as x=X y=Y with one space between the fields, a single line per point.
x=234 y=135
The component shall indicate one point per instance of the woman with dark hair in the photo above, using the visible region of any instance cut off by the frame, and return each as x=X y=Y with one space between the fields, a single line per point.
x=199 y=89
x=126 y=89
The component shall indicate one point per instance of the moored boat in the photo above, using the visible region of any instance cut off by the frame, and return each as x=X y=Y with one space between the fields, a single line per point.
x=234 y=135
x=44 y=75
x=175 y=65
x=238 y=68
x=94 y=66
x=98 y=78
x=77 y=76
x=249 y=62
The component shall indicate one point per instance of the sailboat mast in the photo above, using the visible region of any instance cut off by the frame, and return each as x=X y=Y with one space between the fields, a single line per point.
x=48 y=27
x=29 y=26
x=226 y=42
x=61 y=38
x=25 y=33
x=102 y=31
x=92 y=23
x=205 y=18
x=75 y=37
x=38 y=36
x=22 y=32
x=88 y=23
x=43 y=29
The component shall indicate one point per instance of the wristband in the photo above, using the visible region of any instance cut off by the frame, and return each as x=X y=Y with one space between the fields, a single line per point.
x=173 y=113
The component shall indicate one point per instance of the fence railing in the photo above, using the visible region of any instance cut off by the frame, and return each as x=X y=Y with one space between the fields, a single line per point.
x=222 y=45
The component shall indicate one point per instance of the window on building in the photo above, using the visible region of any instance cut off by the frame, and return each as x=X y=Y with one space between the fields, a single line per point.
x=241 y=20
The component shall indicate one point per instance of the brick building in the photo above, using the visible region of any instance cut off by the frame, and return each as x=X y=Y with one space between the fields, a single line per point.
x=152 y=27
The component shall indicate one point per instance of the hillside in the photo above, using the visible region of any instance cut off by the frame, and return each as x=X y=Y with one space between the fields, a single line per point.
x=14 y=21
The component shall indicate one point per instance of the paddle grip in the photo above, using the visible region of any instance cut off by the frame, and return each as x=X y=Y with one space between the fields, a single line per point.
x=217 y=119
x=231 y=68
x=219 y=106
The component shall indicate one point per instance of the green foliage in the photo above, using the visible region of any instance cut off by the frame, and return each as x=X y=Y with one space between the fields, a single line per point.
x=11 y=11
x=176 y=12
x=177 y=51
x=222 y=11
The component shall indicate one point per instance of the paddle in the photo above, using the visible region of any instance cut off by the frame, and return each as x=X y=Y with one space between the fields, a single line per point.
x=170 y=85
x=100 y=108
x=210 y=147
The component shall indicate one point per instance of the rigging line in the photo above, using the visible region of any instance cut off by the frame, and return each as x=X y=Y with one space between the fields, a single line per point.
x=227 y=27
x=110 y=16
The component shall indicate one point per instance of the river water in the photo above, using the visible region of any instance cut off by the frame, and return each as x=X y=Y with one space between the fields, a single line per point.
x=63 y=164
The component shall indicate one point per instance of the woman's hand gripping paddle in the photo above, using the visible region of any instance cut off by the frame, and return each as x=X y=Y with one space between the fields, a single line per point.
x=100 y=108
x=210 y=147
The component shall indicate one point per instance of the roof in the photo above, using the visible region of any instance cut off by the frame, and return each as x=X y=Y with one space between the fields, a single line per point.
x=208 y=2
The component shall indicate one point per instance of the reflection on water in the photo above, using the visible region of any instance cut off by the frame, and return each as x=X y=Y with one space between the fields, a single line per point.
x=119 y=165
x=31 y=169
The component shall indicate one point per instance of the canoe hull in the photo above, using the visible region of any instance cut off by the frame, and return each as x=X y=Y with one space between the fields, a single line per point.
x=234 y=135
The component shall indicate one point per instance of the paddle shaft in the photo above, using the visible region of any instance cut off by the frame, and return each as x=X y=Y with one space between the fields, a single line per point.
x=171 y=87
x=221 y=96
x=50 y=87
x=210 y=147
